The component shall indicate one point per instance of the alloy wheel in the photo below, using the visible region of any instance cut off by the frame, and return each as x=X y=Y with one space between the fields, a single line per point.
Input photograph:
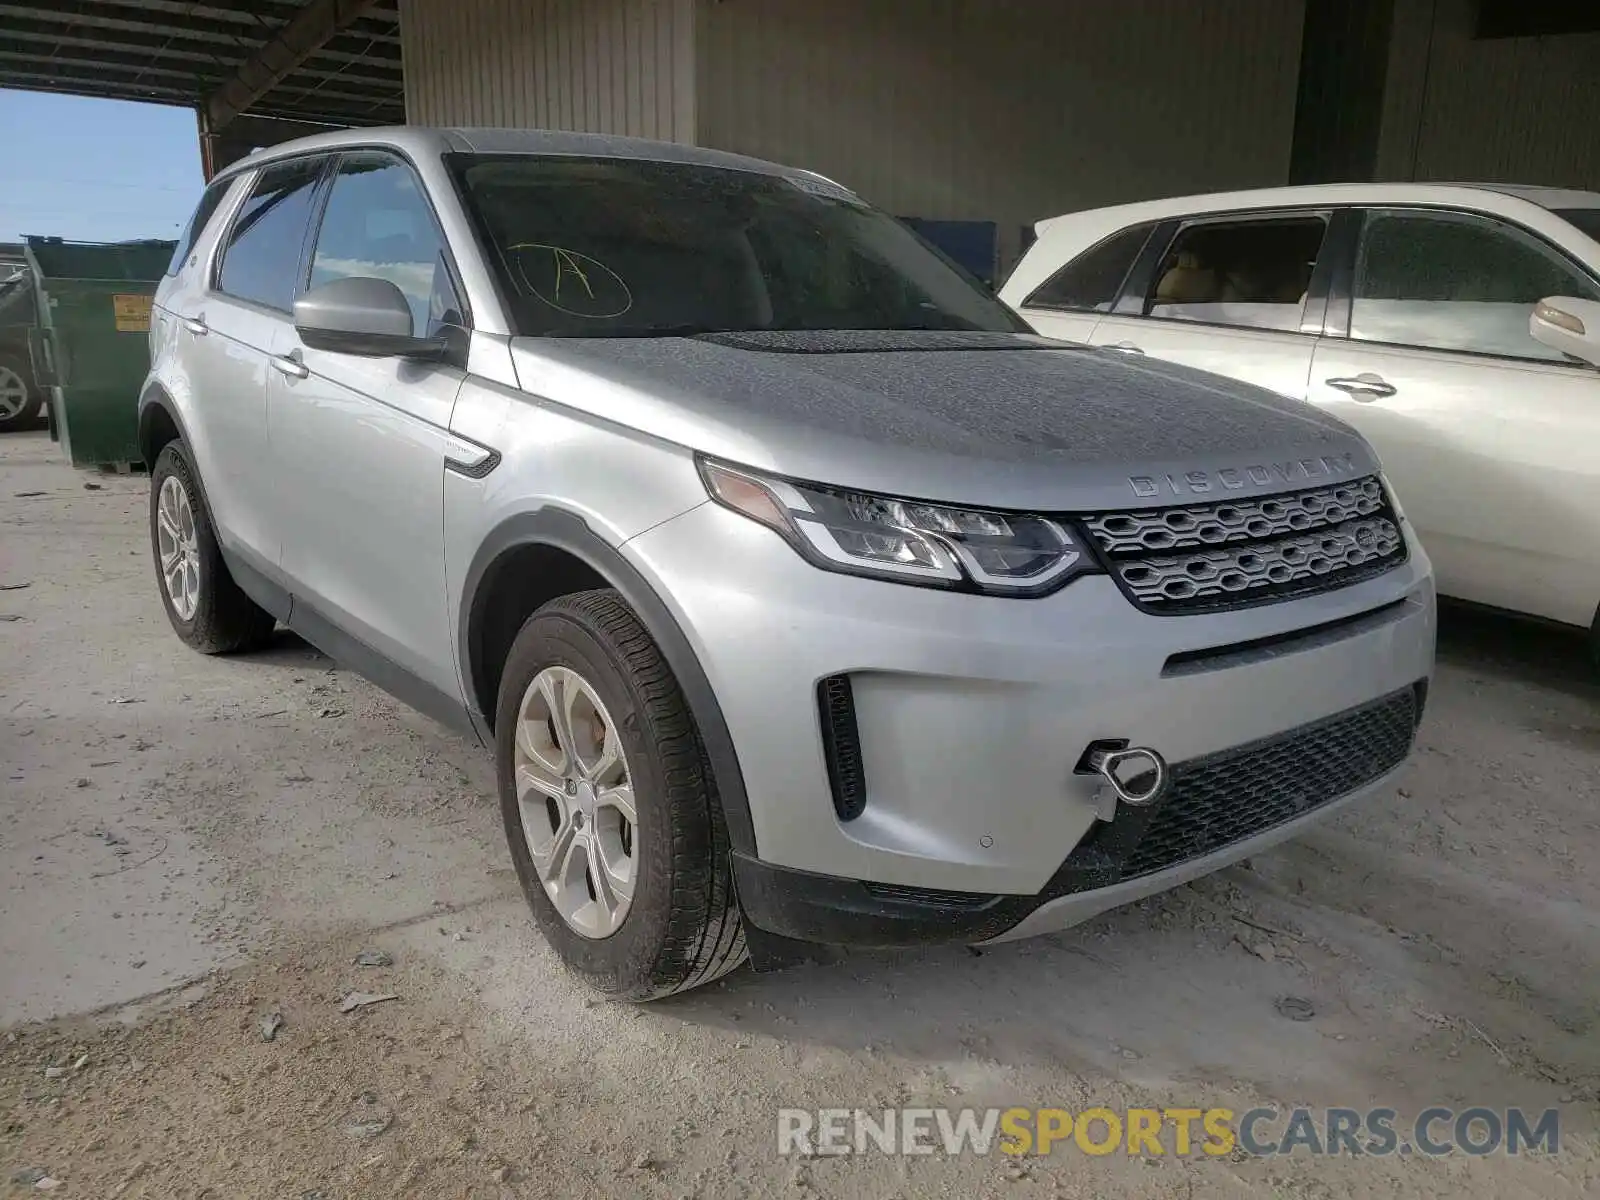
x=575 y=796
x=13 y=394
x=178 y=548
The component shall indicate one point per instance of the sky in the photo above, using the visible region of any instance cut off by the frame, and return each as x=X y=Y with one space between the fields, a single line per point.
x=95 y=170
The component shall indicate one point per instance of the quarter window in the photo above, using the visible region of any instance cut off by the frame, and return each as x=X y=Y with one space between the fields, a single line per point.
x=378 y=225
x=1090 y=282
x=262 y=259
x=1253 y=273
x=1455 y=281
x=210 y=199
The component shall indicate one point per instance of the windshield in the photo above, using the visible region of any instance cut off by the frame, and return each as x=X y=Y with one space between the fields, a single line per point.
x=1586 y=219
x=617 y=247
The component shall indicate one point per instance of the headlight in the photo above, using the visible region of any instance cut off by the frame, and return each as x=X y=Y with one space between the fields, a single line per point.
x=907 y=540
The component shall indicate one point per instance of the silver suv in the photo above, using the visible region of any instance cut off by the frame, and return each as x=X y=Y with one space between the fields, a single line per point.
x=803 y=595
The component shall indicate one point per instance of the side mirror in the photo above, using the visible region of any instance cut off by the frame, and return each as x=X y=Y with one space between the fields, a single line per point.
x=361 y=315
x=1569 y=325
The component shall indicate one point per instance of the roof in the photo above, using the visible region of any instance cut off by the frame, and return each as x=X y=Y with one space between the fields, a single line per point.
x=1544 y=197
x=1475 y=195
x=325 y=61
x=422 y=141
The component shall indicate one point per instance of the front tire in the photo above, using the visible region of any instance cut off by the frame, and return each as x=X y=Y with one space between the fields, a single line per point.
x=206 y=607
x=610 y=805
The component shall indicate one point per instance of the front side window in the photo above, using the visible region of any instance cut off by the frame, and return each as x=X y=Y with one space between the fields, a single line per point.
x=1090 y=282
x=261 y=262
x=618 y=247
x=1455 y=281
x=378 y=224
x=1249 y=273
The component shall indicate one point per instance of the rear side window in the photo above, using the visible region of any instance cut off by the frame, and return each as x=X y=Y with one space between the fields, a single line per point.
x=1251 y=273
x=261 y=262
x=1090 y=282
x=210 y=199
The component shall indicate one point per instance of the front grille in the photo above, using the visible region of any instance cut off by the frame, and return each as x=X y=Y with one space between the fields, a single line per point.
x=1234 y=553
x=1235 y=794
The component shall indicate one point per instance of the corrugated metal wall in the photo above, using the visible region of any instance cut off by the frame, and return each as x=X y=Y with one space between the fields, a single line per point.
x=1005 y=109
x=599 y=66
x=1523 y=110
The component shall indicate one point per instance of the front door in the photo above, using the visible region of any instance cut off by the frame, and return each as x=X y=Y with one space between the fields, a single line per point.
x=1488 y=437
x=360 y=443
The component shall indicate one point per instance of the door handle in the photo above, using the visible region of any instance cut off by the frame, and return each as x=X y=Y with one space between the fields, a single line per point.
x=196 y=326
x=1125 y=348
x=288 y=364
x=1365 y=387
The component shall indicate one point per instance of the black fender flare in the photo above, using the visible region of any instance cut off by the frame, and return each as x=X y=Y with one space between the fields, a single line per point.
x=568 y=532
x=152 y=397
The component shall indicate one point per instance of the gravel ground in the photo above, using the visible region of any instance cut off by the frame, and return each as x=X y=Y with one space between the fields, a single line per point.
x=192 y=846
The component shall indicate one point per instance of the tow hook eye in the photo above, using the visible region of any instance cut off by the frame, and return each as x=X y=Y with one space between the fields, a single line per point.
x=1137 y=775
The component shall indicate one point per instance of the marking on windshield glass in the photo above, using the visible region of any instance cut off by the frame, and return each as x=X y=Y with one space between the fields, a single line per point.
x=570 y=282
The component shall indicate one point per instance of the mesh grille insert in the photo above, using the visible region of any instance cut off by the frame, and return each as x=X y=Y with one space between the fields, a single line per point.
x=841 y=746
x=1238 y=793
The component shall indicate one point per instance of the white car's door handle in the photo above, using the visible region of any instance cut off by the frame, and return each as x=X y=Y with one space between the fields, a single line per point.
x=288 y=365
x=1125 y=348
x=1365 y=387
x=196 y=326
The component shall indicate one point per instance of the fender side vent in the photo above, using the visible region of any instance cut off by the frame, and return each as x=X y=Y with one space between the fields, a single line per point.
x=841 y=746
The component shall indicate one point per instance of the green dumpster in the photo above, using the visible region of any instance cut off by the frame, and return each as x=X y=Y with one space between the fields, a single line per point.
x=91 y=348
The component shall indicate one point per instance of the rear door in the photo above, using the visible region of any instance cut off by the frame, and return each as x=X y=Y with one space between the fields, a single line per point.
x=1070 y=303
x=1231 y=294
x=360 y=442
x=1489 y=437
x=226 y=335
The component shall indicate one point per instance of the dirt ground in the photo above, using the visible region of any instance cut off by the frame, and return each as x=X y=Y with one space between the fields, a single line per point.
x=191 y=846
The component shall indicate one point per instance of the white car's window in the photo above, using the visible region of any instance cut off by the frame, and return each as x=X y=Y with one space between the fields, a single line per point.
x=262 y=258
x=377 y=224
x=1455 y=281
x=1091 y=282
x=1249 y=273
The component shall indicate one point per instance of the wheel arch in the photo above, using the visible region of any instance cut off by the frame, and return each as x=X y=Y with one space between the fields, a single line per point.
x=159 y=423
x=532 y=558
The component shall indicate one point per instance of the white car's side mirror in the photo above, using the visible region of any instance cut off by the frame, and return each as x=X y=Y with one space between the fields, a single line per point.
x=1569 y=325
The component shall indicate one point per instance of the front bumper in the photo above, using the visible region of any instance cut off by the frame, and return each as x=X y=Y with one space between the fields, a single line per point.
x=973 y=711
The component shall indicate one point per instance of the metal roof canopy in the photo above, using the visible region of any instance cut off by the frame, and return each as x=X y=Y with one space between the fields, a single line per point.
x=324 y=61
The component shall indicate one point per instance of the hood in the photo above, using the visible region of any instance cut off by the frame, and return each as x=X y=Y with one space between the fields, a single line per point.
x=1005 y=420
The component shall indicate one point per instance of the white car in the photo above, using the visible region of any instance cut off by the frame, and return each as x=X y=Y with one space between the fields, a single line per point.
x=1406 y=309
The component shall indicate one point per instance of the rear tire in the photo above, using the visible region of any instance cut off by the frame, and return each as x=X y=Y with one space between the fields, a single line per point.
x=678 y=926
x=19 y=397
x=206 y=607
